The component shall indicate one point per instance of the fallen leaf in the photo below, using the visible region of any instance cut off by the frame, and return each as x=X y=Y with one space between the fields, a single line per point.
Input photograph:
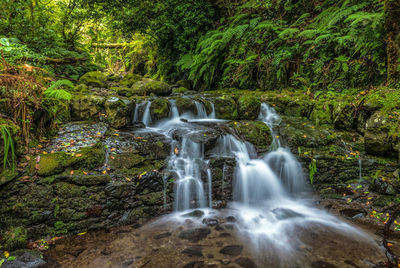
x=72 y=172
x=82 y=233
x=27 y=157
x=84 y=172
x=104 y=172
x=78 y=155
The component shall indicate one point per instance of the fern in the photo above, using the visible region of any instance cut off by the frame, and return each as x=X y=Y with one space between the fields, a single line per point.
x=55 y=93
x=9 y=151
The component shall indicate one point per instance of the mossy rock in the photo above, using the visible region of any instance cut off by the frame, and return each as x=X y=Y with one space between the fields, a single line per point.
x=249 y=107
x=122 y=91
x=179 y=90
x=55 y=163
x=157 y=88
x=89 y=180
x=126 y=160
x=95 y=79
x=118 y=112
x=130 y=79
x=255 y=132
x=321 y=114
x=84 y=107
x=343 y=116
x=226 y=108
x=184 y=84
x=7 y=176
x=14 y=238
x=159 y=109
x=138 y=88
x=186 y=105
x=376 y=135
x=80 y=89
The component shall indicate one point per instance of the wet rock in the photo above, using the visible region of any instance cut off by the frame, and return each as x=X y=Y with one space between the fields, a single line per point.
x=14 y=238
x=194 y=214
x=226 y=108
x=343 y=116
x=85 y=107
x=127 y=263
x=249 y=107
x=194 y=235
x=210 y=221
x=138 y=125
x=162 y=235
x=186 y=105
x=149 y=86
x=96 y=79
x=382 y=187
x=225 y=235
x=151 y=180
x=376 y=134
x=89 y=180
x=26 y=259
x=159 y=109
x=232 y=250
x=322 y=264
x=352 y=213
x=245 y=262
x=230 y=219
x=284 y=213
x=118 y=112
x=193 y=251
x=126 y=160
x=255 y=132
x=194 y=264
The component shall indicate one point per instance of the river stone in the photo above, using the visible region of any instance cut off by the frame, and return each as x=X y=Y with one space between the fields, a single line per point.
x=118 y=112
x=26 y=260
x=284 y=213
x=194 y=264
x=210 y=221
x=226 y=108
x=185 y=105
x=245 y=262
x=232 y=250
x=162 y=235
x=85 y=107
x=159 y=109
x=195 y=235
x=194 y=214
x=193 y=251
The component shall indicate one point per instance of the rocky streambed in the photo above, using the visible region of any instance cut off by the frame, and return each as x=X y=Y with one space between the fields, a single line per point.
x=110 y=171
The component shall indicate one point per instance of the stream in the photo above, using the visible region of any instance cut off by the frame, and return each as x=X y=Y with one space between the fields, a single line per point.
x=272 y=220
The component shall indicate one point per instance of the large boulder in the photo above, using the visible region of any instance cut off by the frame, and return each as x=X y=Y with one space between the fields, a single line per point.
x=343 y=116
x=118 y=112
x=130 y=79
x=226 y=108
x=185 y=105
x=84 y=107
x=249 y=107
x=95 y=79
x=376 y=134
x=159 y=109
x=149 y=86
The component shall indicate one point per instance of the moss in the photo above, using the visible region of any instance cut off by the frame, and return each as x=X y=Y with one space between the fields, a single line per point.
x=185 y=105
x=7 y=176
x=225 y=108
x=89 y=180
x=159 y=108
x=92 y=157
x=126 y=160
x=51 y=164
x=67 y=190
x=84 y=107
x=330 y=193
x=157 y=88
x=255 y=132
x=122 y=91
x=138 y=88
x=118 y=112
x=96 y=79
x=179 y=90
x=130 y=79
x=81 y=89
x=14 y=238
x=155 y=198
x=321 y=114
x=249 y=107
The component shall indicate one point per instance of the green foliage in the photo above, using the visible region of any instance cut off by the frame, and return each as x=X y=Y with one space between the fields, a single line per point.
x=312 y=170
x=342 y=46
x=53 y=91
x=8 y=148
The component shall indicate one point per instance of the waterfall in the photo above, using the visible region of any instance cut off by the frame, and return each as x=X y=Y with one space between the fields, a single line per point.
x=146 y=117
x=186 y=163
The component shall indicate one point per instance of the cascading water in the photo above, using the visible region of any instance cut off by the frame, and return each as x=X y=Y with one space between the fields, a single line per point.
x=141 y=115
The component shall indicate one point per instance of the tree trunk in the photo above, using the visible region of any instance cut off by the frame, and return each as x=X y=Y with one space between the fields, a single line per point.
x=392 y=28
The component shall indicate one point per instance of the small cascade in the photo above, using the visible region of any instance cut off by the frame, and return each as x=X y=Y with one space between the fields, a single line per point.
x=271 y=118
x=200 y=110
x=360 y=167
x=187 y=163
x=174 y=113
x=212 y=114
x=142 y=113
x=146 y=119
